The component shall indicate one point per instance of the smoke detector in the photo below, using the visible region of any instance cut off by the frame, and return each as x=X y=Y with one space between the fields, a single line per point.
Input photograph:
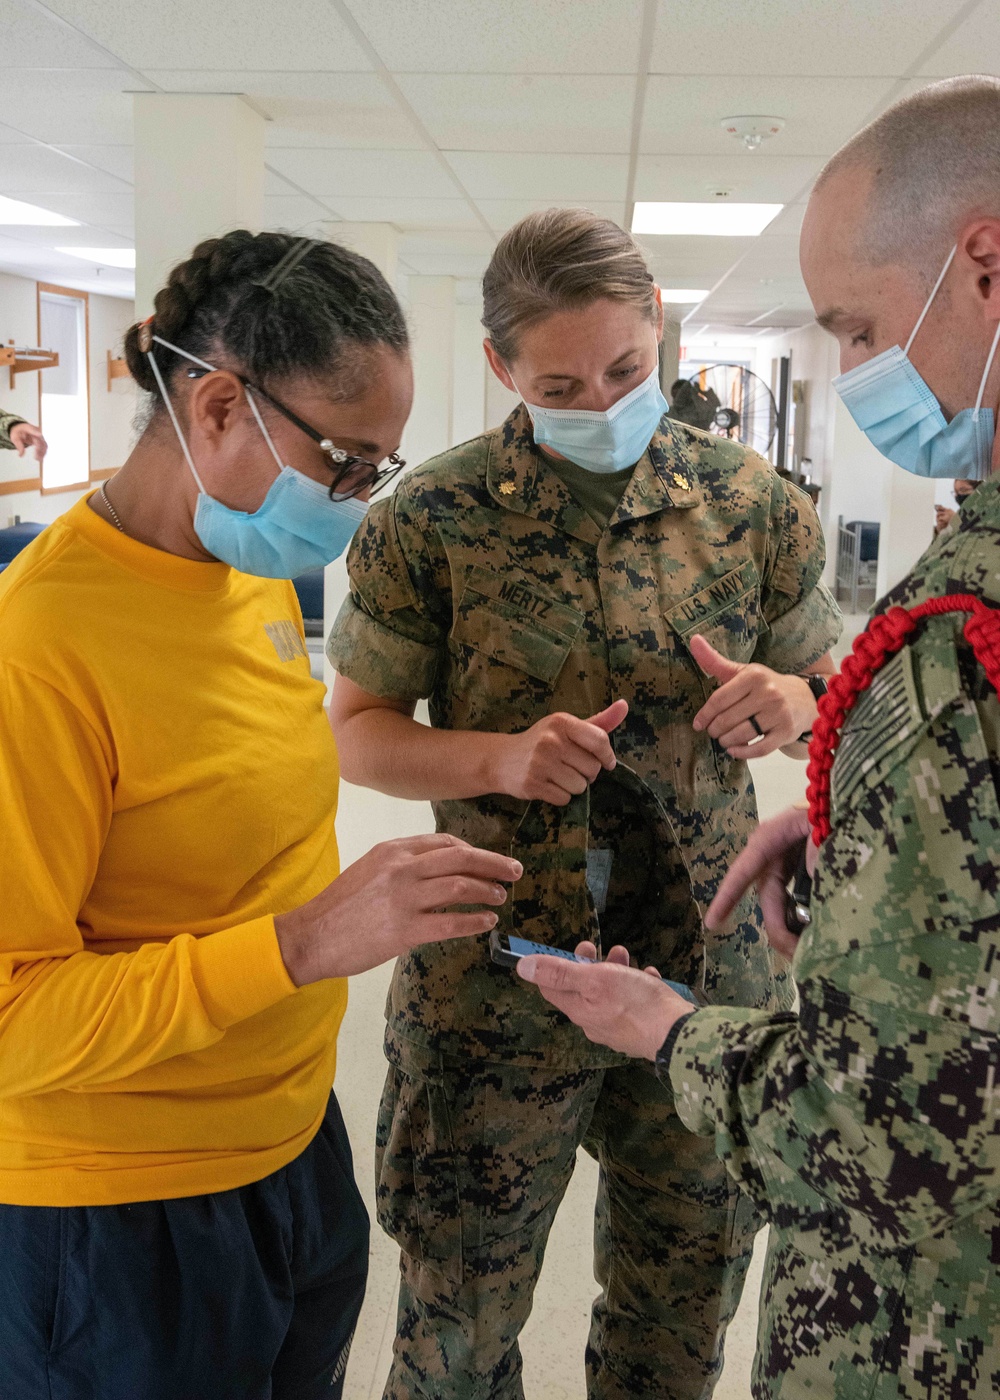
x=752 y=131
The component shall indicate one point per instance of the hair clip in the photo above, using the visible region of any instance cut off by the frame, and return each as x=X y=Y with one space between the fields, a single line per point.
x=285 y=267
x=145 y=335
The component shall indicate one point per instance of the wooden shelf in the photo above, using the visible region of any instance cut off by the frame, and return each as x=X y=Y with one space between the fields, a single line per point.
x=117 y=369
x=21 y=359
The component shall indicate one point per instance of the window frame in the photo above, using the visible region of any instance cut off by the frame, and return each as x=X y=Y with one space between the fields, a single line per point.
x=55 y=290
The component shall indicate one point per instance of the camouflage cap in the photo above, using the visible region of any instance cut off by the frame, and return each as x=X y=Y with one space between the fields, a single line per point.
x=605 y=867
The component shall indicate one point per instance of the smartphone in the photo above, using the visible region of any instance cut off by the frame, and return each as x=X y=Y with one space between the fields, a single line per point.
x=508 y=951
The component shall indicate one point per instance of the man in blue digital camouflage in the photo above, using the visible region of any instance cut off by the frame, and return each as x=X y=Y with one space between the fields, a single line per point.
x=866 y=1125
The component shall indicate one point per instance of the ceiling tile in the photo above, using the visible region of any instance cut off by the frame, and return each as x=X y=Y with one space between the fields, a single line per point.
x=27 y=170
x=446 y=264
x=500 y=214
x=529 y=175
x=112 y=209
x=116 y=160
x=765 y=178
x=408 y=212
x=85 y=105
x=365 y=174
x=294 y=213
x=309 y=109
x=491 y=112
x=518 y=36
x=973 y=48
x=823 y=37
x=306 y=34
x=683 y=115
x=30 y=40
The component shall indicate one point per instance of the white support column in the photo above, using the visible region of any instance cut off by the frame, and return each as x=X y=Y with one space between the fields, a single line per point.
x=199 y=171
x=432 y=327
x=471 y=369
x=380 y=244
x=670 y=356
x=907 y=525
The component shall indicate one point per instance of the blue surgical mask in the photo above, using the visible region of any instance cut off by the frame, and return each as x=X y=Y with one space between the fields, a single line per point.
x=603 y=442
x=297 y=527
x=899 y=415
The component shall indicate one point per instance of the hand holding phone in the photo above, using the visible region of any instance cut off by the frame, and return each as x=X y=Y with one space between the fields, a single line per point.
x=507 y=950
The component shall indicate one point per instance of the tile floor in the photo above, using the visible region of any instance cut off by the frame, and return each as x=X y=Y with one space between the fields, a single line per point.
x=553 y=1341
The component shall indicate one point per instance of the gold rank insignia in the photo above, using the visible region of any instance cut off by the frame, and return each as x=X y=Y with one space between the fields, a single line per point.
x=680 y=482
x=507 y=488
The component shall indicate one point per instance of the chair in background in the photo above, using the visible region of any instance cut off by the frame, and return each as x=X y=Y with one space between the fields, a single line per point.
x=14 y=538
x=857 y=560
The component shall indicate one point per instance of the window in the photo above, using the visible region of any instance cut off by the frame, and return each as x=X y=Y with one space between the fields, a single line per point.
x=64 y=390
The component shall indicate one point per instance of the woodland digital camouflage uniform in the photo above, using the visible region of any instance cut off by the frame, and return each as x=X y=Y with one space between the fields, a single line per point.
x=482 y=585
x=8 y=421
x=867 y=1126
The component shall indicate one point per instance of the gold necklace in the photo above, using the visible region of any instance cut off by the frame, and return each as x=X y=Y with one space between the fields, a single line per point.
x=111 y=510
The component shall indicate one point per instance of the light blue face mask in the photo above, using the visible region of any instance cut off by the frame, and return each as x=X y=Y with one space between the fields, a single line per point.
x=603 y=442
x=899 y=415
x=296 y=528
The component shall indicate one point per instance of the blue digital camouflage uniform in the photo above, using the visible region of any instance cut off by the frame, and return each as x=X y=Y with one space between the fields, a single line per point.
x=484 y=585
x=868 y=1126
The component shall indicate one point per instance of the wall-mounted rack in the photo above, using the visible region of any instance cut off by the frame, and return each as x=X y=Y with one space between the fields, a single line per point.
x=117 y=369
x=22 y=358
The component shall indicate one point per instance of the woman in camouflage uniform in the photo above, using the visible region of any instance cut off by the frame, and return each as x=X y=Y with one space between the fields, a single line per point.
x=520 y=588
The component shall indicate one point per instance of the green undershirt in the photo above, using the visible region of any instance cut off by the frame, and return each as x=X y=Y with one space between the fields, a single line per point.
x=598 y=492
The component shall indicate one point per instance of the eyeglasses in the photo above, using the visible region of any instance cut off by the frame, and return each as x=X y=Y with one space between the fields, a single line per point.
x=352 y=475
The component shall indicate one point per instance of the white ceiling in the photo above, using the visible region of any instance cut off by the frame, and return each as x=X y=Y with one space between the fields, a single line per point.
x=453 y=118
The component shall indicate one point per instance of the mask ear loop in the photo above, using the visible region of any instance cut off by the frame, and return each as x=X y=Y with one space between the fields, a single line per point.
x=260 y=424
x=170 y=409
x=986 y=374
x=920 y=319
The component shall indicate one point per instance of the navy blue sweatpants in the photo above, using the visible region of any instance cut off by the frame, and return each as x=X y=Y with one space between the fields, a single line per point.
x=250 y=1294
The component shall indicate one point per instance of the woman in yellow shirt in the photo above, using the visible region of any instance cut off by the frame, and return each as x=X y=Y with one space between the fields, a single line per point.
x=179 y=1219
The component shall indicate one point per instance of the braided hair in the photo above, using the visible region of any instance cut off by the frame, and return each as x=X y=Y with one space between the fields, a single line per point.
x=321 y=318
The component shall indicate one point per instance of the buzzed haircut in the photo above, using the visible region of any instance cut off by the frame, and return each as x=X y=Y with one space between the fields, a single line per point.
x=935 y=159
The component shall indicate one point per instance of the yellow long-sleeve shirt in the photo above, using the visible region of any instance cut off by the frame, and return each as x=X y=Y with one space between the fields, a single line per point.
x=168 y=784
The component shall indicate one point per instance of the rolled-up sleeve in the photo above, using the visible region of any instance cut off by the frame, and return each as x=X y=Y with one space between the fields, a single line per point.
x=390 y=633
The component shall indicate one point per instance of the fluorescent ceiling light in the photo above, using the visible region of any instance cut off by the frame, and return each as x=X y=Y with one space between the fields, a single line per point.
x=719 y=218
x=683 y=296
x=110 y=257
x=15 y=211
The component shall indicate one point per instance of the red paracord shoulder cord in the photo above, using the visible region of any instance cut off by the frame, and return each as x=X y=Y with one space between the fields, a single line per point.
x=883 y=637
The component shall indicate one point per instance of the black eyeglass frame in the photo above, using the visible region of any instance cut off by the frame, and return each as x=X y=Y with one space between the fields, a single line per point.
x=372 y=481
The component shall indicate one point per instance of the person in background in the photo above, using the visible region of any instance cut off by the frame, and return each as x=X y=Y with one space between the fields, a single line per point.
x=591 y=585
x=942 y=515
x=693 y=405
x=179 y=1217
x=17 y=435
x=867 y=1124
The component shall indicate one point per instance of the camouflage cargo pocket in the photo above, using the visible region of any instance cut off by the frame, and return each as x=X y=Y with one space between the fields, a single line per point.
x=828 y=1321
x=417 y=1195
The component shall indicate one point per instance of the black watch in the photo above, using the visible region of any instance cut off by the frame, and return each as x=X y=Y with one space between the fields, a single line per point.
x=819 y=685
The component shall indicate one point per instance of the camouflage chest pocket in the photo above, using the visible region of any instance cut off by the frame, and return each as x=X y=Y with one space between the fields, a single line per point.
x=503 y=622
x=727 y=614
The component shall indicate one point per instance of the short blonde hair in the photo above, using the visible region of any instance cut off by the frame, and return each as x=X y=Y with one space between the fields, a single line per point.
x=557 y=260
